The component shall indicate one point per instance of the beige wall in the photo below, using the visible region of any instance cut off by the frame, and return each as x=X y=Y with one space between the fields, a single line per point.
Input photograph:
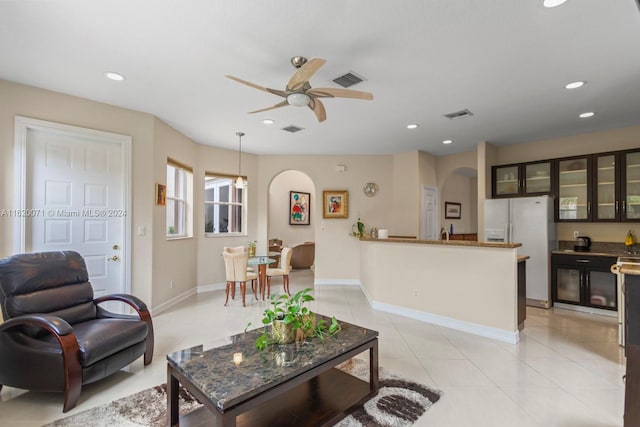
x=174 y=261
x=464 y=190
x=16 y=99
x=427 y=280
x=405 y=205
x=336 y=249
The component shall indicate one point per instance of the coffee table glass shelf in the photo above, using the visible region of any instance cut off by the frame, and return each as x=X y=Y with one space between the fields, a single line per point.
x=287 y=385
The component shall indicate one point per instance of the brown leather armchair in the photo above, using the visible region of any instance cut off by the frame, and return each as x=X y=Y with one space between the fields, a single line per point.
x=55 y=336
x=303 y=255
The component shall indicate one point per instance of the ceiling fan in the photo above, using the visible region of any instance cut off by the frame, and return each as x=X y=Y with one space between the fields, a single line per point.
x=300 y=93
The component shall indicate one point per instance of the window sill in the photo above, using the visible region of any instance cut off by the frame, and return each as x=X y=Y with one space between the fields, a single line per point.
x=179 y=237
x=218 y=235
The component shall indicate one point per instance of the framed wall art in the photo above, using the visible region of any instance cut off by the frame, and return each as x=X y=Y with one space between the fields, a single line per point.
x=161 y=194
x=299 y=208
x=335 y=204
x=452 y=210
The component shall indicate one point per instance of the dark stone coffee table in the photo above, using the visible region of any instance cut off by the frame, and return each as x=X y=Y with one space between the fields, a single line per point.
x=287 y=385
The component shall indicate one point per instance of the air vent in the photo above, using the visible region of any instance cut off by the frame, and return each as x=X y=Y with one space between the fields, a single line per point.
x=459 y=114
x=348 y=79
x=292 y=129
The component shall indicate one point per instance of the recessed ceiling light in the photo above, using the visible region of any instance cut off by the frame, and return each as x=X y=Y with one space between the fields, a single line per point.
x=587 y=115
x=112 y=75
x=268 y=121
x=553 y=3
x=447 y=141
x=412 y=126
x=574 y=85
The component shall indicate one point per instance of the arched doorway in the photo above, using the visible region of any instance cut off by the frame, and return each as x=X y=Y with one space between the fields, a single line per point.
x=279 y=223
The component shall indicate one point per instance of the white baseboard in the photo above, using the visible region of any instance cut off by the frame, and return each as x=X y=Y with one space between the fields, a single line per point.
x=447 y=322
x=585 y=309
x=333 y=282
x=175 y=300
x=209 y=288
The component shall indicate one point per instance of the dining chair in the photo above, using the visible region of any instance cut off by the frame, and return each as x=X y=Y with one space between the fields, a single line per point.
x=235 y=264
x=237 y=249
x=282 y=270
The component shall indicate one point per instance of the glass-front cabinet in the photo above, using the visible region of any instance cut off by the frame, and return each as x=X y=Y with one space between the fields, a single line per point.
x=506 y=181
x=584 y=280
x=522 y=179
x=606 y=187
x=631 y=185
x=574 y=189
x=537 y=178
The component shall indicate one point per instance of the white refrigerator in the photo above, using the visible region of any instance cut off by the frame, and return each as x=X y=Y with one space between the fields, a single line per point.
x=526 y=220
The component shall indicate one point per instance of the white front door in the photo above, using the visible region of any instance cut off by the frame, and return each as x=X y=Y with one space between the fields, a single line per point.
x=75 y=186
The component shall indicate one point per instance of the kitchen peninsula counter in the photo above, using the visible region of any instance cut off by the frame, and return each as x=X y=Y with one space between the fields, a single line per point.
x=465 y=285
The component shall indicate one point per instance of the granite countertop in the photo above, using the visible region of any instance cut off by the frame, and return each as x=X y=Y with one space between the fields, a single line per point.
x=589 y=253
x=467 y=243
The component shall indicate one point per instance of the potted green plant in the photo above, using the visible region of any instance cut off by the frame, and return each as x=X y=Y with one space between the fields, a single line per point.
x=291 y=320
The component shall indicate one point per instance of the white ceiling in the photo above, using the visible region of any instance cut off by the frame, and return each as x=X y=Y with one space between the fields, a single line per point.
x=505 y=60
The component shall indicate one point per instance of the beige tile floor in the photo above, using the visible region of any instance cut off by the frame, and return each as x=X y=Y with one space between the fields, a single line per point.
x=566 y=371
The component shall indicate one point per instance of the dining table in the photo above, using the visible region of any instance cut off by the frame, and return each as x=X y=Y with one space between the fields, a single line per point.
x=261 y=262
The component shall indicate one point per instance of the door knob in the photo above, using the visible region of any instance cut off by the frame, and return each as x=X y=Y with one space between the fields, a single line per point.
x=113 y=258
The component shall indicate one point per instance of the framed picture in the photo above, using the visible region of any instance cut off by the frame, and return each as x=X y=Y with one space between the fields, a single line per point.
x=452 y=210
x=161 y=194
x=299 y=208
x=335 y=204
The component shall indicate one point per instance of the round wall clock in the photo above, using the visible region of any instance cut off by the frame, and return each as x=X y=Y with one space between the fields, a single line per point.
x=370 y=189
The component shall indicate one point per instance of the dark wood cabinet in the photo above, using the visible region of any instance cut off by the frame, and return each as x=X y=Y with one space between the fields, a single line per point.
x=522 y=179
x=573 y=189
x=584 y=280
x=602 y=187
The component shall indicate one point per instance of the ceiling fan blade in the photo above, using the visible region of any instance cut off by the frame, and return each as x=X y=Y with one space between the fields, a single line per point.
x=318 y=109
x=273 y=107
x=304 y=73
x=326 y=92
x=255 y=86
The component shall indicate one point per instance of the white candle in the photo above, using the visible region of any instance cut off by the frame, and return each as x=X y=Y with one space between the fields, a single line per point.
x=237 y=358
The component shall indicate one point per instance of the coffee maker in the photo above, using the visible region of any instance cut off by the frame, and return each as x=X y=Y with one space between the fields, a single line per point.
x=582 y=244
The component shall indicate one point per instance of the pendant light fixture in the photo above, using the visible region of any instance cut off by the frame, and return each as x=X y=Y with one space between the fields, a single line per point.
x=240 y=180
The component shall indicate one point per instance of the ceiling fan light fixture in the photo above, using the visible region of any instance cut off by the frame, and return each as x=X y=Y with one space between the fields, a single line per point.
x=298 y=99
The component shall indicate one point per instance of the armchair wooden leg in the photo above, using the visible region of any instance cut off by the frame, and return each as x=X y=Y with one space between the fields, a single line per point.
x=148 y=350
x=243 y=290
x=72 y=371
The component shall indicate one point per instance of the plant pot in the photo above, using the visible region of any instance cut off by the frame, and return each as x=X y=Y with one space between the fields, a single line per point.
x=252 y=251
x=282 y=333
